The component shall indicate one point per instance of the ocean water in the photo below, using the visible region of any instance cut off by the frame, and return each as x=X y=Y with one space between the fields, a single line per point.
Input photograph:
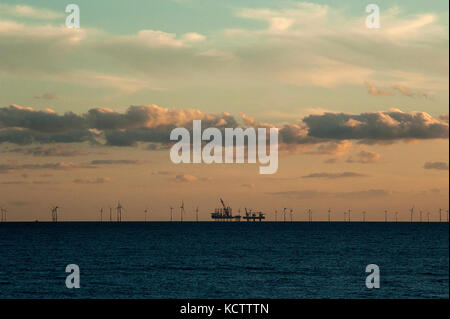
x=224 y=259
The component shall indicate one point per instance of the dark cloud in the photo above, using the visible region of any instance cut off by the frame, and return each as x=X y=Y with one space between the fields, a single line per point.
x=305 y=194
x=40 y=121
x=156 y=147
x=364 y=157
x=26 y=136
x=19 y=203
x=46 y=150
x=46 y=96
x=436 y=165
x=185 y=178
x=309 y=194
x=390 y=125
x=114 y=162
x=331 y=161
x=98 y=180
x=153 y=124
x=13 y=166
x=334 y=175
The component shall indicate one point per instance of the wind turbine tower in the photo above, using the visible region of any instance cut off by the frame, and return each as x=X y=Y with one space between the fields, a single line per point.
x=171 y=213
x=329 y=214
x=182 y=210
x=196 y=214
x=3 y=211
x=55 y=213
x=119 y=209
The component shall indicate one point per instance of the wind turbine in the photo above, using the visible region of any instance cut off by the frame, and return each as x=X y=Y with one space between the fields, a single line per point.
x=119 y=209
x=55 y=213
x=182 y=210
x=364 y=215
x=349 y=212
x=428 y=216
x=3 y=211
x=101 y=214
x=412 y=212
x=291 y=211
x=440 y=215
x=171 y=213
x=385 y=215
x=329 y=214
x=309 y=214
x=284 y=214
x=145 y=214
x=196 y=214
x=420 y=214
x=396 y=216
x=276 y=215
x=110 y=214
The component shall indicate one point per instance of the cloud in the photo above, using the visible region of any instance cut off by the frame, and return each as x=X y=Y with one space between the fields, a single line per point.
x=372 y=90
x=13 y=166
x=331 y=161
x=46 y=150
x=334 y=175
x=185 y=178
x=444 y=117
x=115 y=162
x=383 y=125
x=19 y=203
x=30 y=12
x=46 y=96
x=436 y=165
x=156 y=38
x=98 y=180
x=164 y=173
x=330 y=132
x=395 y=89
x=364 y=157
x=310 y=194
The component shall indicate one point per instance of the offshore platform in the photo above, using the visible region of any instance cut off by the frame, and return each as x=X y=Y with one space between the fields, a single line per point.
x=225 y=213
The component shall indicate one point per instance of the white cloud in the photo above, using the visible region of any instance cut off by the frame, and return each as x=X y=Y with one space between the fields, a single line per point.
x=30 y=12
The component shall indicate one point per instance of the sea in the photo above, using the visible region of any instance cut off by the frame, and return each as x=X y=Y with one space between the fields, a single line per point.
x=192 y=260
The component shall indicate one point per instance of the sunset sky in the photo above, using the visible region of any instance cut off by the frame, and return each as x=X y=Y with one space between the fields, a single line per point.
x=86 y=114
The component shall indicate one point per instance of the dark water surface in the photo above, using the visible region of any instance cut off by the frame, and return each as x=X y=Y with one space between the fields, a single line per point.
x=224 y=260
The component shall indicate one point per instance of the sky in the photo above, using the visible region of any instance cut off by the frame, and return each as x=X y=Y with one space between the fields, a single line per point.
x=86 y=114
